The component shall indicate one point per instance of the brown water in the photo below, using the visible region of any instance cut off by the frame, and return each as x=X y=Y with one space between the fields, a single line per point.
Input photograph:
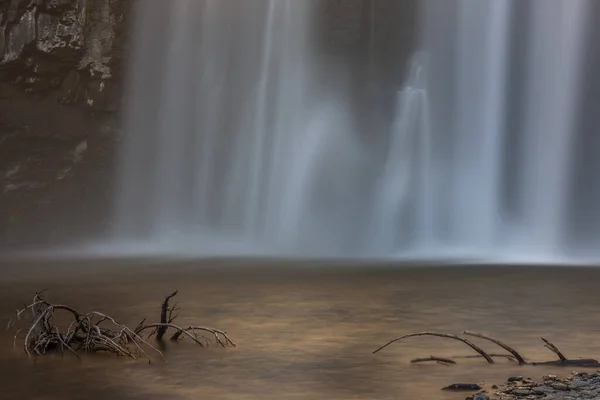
x=305 y=333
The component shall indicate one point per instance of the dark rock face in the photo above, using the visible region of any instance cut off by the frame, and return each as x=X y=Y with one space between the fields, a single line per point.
x=70 y=50
x=54 y=190
x=61 y=74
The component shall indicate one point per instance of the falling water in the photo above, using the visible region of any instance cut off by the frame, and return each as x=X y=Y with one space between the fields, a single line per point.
x=240 y=142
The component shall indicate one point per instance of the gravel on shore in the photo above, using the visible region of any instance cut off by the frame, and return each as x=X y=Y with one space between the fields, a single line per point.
x=573 y=387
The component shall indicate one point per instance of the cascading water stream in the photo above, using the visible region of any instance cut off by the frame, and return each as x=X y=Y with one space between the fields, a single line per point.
x=235 y=146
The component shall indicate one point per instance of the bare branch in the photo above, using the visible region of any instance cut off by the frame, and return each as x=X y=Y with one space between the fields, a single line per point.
x=499 y=343
x=554 y=349
x=165 y=326
x=98 y=332
x=164 y=319
x=443 y=335
x=439 y=360
x=493 y=355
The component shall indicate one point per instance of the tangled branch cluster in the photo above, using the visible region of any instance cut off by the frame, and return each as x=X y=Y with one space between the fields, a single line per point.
x=97 y=332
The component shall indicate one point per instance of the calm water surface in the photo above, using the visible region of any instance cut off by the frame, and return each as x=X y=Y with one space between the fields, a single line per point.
x=304 y=332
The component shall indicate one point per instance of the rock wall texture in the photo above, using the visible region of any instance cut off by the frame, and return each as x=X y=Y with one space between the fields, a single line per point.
x=73 y=52
x=61 y=73
x=70 y=50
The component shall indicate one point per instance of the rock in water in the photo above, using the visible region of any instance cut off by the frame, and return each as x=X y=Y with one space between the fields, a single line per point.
x=462 y=386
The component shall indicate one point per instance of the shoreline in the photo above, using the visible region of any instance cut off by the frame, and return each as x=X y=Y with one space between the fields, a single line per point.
x=575 y=386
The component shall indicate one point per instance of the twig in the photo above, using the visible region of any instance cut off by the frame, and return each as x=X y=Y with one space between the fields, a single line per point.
x=499 y=343
x=439 y=360
x=443 y=335
x=164 y=310
x=215 y=333
x=554 y=349
x=493 y=355
x=165 y=326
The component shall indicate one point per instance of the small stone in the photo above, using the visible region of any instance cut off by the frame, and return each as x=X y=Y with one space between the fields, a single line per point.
x=578 y=384
x=515 y=379
x=481 y=396
x=521 y=392
x=494 y=386
x=542 y=390
x=560 y=386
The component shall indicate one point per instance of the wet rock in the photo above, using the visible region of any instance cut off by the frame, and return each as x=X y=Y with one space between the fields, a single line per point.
x=576 y=386
x=462 y=386
x=578 y=383
x=521 y=392
x=542 y=390
x=478 y=396
x=560 y=386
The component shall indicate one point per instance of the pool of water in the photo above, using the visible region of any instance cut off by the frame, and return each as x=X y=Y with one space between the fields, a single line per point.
x=306 y=332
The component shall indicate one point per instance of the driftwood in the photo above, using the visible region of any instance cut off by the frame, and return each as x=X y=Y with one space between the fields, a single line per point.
x=499 y=343
x=439 y=360
x=166 y=316
x=513 y=356
x=493 y=355
x=94 y=331
x=444 y=335
x=554 y=349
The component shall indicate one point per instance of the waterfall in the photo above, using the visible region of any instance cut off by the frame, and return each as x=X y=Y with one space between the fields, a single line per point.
x=240 y=140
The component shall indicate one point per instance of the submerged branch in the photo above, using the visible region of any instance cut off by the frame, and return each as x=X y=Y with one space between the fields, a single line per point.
x=493 y=355
x=443 y=335
x=164 y=310
x=513 y=356
x=499 y=343
x=554 y=349
x=439 y=360
x=98 y=332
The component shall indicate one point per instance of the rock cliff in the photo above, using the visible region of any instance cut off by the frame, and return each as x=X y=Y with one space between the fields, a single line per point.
x=70 y=50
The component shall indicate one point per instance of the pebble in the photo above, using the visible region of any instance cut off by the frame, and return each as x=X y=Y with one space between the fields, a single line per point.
x=478 y=396
x=560 y=386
